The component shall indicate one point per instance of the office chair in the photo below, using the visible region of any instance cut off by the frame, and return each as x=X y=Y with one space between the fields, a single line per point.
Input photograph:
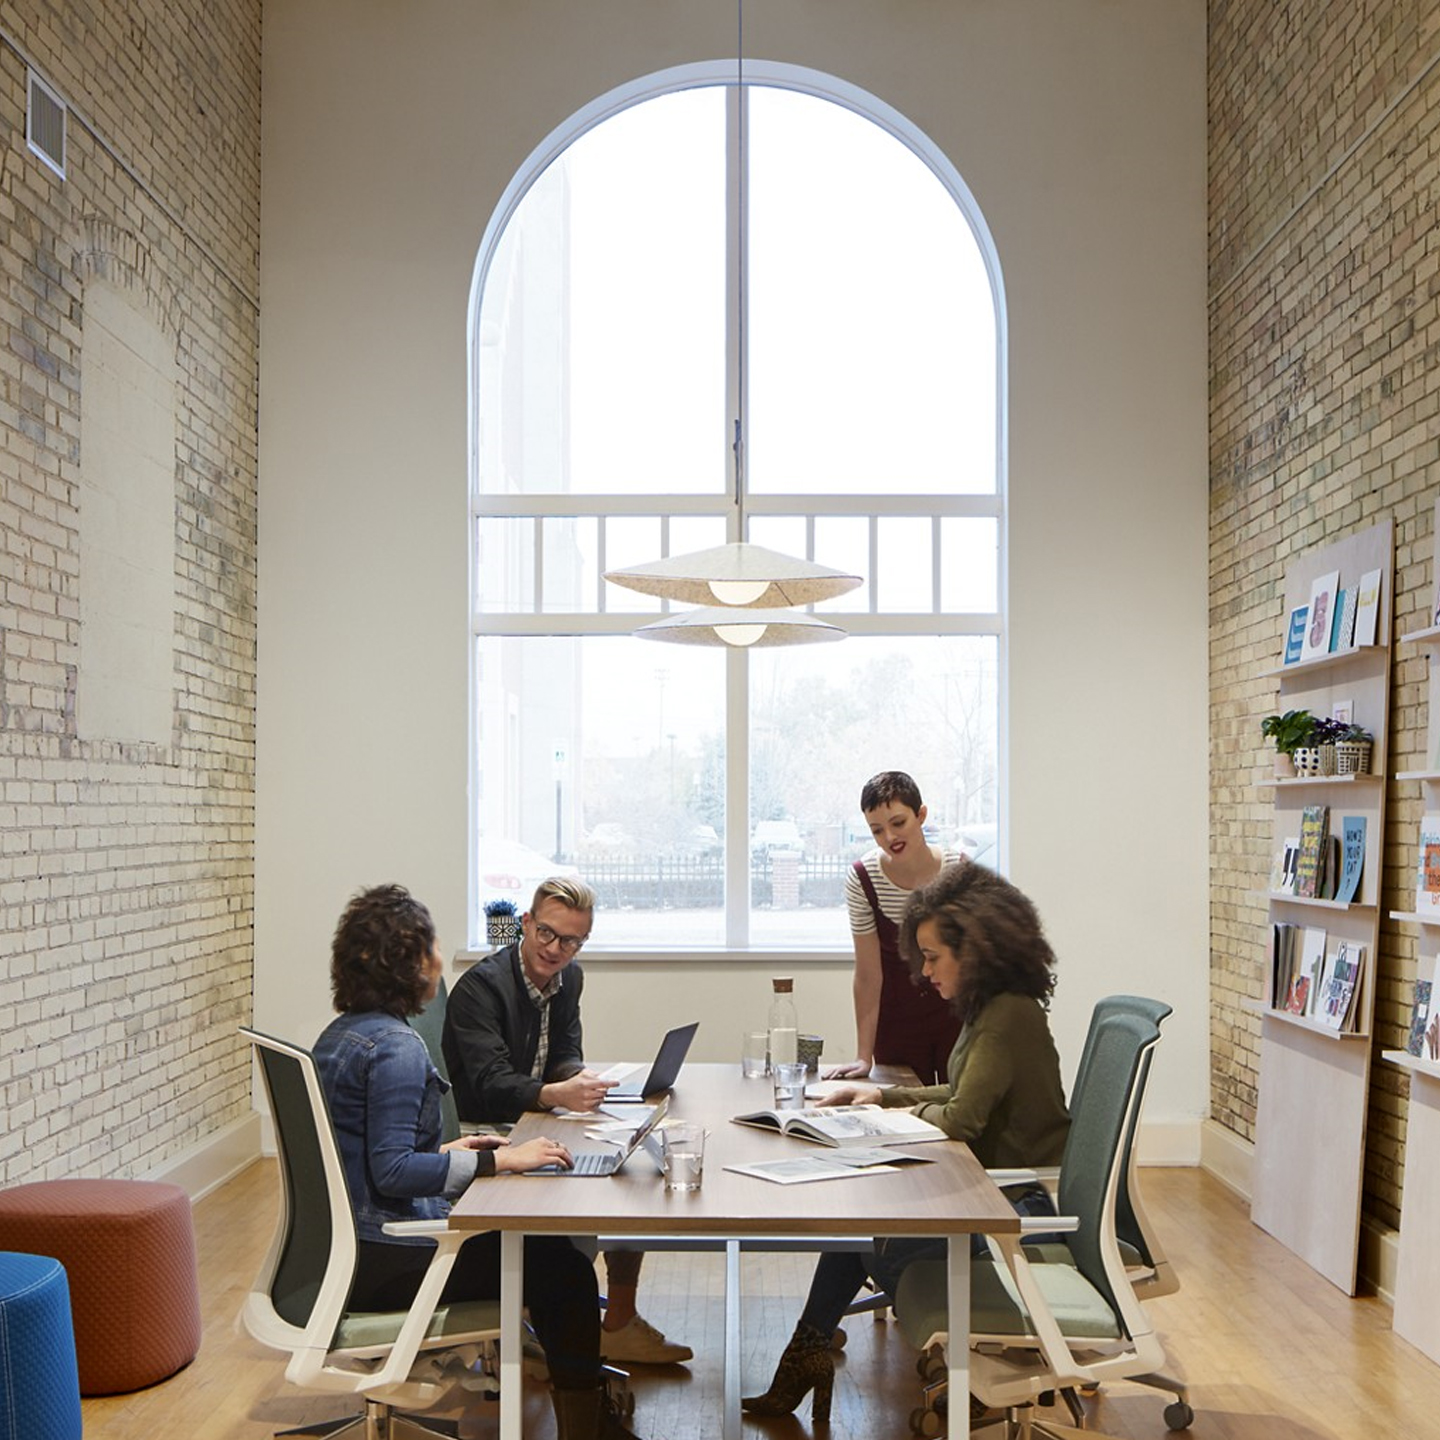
x=298 y=1302
x=1038 y=1325
x=429 y=1024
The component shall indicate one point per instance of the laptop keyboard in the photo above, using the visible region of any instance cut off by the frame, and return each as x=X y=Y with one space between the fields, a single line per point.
x=593 y=1162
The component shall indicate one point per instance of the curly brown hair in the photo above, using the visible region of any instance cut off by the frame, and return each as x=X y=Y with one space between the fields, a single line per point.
x=991 y=926
x=377 y=958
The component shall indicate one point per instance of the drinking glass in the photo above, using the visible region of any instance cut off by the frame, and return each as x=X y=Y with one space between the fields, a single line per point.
x=789 y=1086
x=684 y=1149
x=755 y=1054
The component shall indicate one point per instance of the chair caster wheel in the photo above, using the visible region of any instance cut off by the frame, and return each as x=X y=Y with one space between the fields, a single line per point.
x=1178 y=1416
x=925 y=1423
x=930 y=1367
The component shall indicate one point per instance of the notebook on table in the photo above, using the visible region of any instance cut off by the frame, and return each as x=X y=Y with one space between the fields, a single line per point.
x=608 y=1162
x=633 y=1081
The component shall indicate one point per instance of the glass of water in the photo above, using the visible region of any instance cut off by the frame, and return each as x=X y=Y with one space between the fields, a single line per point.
x=755 y=1054
x=684 y=1148
x=789 y=1086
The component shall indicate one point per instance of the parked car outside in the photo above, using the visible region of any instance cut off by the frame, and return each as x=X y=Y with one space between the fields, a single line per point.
x=772 y=835
x=512 y=871
x=979 y=843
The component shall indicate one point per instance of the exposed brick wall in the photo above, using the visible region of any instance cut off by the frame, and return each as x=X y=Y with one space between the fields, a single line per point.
x=126 y=869
x=1324 y=185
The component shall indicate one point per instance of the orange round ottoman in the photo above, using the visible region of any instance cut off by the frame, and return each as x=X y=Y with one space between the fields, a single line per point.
x=128 y=1249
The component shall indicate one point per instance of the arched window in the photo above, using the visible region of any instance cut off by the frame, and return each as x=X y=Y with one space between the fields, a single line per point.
x=663 y=267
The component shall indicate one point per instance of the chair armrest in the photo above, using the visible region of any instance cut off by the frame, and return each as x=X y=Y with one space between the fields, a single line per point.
x=1048 y=1224
x=415 y=1227
x=1046 y=1175
x=1060 y=1359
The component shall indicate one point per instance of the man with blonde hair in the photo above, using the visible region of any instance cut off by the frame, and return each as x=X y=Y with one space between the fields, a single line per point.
x=512 y=1043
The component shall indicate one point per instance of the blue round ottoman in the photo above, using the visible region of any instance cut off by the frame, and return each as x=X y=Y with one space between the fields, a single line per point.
x=38 y=1375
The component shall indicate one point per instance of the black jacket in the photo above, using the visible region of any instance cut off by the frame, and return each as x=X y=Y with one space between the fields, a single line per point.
x=492 y=1031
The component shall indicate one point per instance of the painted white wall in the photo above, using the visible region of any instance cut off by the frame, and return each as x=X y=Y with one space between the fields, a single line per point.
x=390 y=134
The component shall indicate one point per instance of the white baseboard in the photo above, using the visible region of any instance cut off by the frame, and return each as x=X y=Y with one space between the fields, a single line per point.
x=1168 y=1142
x=1379 y=1259
x=1227 y=1157
x=213 y=1160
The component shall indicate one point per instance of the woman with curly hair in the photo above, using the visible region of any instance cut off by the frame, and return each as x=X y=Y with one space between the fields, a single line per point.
x=384 y=1098
x=978 y=940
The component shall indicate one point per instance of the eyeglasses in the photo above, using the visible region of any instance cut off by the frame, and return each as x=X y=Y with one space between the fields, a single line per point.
x=570 y=944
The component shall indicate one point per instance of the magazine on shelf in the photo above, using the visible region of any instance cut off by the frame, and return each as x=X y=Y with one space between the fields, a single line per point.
x=1311 y=965
x=1314 y=829
x=1353 y=864
x=1427 y=875
x=846 y=1125
x=1295 y=636
x=1343 y=636
x=1424 y=1037
x=1341 y=985
x=1322 y=616
x=1367 y=608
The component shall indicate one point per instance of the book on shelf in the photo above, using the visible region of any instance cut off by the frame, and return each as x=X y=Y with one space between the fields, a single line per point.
x=1424 y=1037
x=1352 y=865
x=846 y=1125
x=1283 y=942
x=1342 y=638
x=1311 y=965
x=1295 y=635
x=1282 y=867
x=840 y=1164
x=1427 y=874
x=1367 y=607
x=1322 y=615
x=1329 y=882
x=1298 y=1001
x=1340 y=989
x=1314 y=829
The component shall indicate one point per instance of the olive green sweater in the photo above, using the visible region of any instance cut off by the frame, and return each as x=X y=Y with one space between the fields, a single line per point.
x=1004 y=1097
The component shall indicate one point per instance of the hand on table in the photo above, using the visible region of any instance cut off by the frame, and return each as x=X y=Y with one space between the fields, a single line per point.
x=852 y=1070
x=475 y=1142
x=584 y=1090
x=531 y=1156
x=852 y=1095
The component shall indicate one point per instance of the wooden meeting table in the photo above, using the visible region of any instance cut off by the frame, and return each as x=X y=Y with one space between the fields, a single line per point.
x=952 y=1197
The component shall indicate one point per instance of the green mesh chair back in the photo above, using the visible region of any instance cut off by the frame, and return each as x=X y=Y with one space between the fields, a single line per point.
x=1101 y=1124
x=1128 y=1227
x=429 y=1024
x=307 y=1248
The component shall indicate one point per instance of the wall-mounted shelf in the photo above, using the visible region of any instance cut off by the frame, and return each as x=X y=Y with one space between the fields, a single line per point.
x=1314 y=1084
x=1416 y=1316
x=1308 y=781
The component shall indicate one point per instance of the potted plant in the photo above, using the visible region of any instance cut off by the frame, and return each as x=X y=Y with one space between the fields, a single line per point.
x=1352 y=750
x=502 y=924
x=1324 y=737
x=1291 y=731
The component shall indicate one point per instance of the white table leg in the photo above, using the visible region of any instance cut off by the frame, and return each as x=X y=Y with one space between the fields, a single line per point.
x=730 y=1424
x=958 y=1290
x=512 y=1381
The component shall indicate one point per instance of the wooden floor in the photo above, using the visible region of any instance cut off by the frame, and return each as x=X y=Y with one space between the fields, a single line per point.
x=1271 y=1351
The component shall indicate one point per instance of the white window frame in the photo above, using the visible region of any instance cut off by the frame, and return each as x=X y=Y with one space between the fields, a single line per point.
x=936 y=507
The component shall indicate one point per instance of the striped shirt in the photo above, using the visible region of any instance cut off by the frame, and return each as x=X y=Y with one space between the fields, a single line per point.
x=892 y=897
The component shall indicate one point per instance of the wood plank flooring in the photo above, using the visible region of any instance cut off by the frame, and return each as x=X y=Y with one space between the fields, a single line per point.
x=1270 y=1350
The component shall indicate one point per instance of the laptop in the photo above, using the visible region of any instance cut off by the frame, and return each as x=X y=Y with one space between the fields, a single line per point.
x=608 y=1162
x=633 y=1084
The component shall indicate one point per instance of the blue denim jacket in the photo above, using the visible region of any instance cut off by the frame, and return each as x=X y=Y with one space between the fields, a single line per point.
x=384 y=1098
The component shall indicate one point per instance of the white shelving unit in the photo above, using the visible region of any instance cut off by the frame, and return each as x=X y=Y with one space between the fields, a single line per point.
x=1314 y=1081
x=1417 y=1280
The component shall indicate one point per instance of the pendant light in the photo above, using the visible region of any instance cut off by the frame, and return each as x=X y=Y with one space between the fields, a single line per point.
x=742 y=588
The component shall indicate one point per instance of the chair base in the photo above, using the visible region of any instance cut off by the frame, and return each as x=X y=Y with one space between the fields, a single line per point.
x=379 y=1422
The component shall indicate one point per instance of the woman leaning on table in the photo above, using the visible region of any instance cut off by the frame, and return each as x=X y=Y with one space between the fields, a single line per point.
x=979 y=941
x=384 y=1098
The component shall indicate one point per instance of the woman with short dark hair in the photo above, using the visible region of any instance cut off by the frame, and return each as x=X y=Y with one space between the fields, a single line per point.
x=979 y=941
x=384 y=1095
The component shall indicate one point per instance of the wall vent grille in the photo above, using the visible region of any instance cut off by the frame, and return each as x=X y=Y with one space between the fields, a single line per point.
x=45 y=124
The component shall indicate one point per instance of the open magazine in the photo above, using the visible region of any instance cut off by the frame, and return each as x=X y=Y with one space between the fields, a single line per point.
x=846 y=1125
